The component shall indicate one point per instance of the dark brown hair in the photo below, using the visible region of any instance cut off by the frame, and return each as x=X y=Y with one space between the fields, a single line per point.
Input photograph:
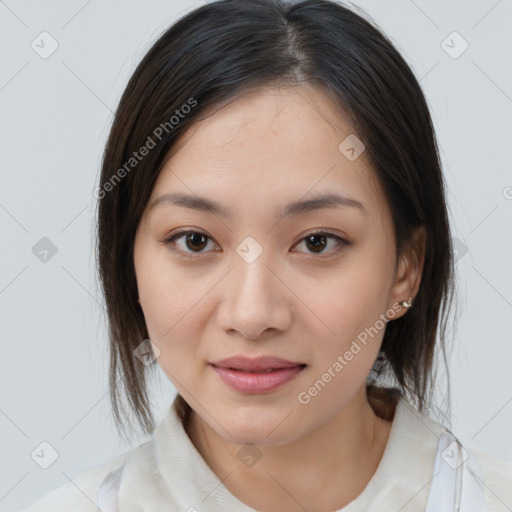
x=207 y=59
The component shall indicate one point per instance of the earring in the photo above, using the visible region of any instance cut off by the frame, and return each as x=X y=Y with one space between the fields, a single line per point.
x=406 y=303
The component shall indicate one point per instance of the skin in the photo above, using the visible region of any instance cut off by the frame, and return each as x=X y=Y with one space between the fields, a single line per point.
x=255 y=155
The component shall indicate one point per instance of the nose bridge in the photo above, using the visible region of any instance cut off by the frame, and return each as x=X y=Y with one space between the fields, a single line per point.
x=251 y=270
x=255 y=301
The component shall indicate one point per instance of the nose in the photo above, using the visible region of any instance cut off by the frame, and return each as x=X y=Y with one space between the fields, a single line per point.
x=257 y=302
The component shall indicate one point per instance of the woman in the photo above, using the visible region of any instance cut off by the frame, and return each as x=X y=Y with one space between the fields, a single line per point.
x=273 y=233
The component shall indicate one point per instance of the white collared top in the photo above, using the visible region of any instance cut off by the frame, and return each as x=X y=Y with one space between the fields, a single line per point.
x=424 y=468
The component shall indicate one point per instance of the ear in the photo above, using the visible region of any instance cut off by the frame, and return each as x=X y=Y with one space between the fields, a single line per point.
x=409 y=272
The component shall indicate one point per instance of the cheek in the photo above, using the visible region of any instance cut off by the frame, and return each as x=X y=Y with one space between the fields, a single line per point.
x=350 y=328
x=170 y=302
x=343 y=360
x=168 y=293
x=174 y=328
x=349 y=301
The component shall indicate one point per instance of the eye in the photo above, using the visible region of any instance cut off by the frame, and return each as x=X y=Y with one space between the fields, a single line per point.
x=195 y=241
x=318 y=240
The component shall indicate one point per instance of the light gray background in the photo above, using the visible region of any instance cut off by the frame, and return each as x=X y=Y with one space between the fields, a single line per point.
x=55 y=116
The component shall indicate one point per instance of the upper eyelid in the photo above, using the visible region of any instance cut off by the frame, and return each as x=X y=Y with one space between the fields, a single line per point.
x=313 y=231
x=317 y=231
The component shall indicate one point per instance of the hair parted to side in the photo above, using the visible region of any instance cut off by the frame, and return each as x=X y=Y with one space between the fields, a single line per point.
x=208 y=58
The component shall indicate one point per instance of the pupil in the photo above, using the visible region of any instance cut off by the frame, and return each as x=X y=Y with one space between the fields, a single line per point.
x=320 y=245
x=191 y=238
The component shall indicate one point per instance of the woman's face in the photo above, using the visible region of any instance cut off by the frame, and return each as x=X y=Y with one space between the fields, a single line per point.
x=252 y=281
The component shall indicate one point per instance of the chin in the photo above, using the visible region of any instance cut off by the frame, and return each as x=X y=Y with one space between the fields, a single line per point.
x=257 y=427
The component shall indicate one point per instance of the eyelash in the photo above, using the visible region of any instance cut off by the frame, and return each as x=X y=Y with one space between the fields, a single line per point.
x=171 y=240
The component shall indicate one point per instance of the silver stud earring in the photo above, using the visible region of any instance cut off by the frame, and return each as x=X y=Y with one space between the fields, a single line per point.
x=406 y=303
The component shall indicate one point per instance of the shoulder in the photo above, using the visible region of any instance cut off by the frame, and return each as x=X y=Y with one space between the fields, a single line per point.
x=495 y=479
x=420 y=436
x=496 y=473
x=497 y=476
x=80 y=494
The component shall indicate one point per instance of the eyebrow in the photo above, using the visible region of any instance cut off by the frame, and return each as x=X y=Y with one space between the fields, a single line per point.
x=316 y=202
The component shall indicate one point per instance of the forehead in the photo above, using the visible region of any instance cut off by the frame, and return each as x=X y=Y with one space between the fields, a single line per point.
x=269 y=146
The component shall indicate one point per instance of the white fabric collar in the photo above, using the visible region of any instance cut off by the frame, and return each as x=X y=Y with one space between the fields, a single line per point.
x=178 y=475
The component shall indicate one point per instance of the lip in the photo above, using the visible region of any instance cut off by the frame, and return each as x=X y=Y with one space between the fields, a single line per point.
x=257 y=363
x=239 y=373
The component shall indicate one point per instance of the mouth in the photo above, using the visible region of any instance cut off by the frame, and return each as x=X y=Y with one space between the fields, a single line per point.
x=267 y=370
x=248 y=376
x=261 y=363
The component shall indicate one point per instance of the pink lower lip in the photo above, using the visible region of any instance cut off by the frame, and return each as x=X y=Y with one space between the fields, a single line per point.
x=250 y=382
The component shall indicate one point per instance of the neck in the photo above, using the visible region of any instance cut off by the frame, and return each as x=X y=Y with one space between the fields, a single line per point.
x=332 y=464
